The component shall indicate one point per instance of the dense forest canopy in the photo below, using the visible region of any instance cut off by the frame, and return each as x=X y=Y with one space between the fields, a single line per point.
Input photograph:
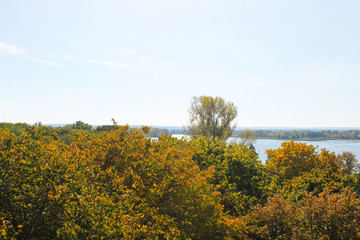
x=75 y=182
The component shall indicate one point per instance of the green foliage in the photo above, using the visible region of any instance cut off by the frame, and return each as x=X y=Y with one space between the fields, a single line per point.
x=105 y=128
x=79 y=125
x=239 y=172
x=317 y=180
x=211 y=117
x=15 y=128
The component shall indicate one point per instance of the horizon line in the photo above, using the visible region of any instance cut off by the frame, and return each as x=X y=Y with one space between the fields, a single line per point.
x=182 y=126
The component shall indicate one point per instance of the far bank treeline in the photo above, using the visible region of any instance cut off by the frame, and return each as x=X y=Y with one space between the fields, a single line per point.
x=120 y=184
x=308 y=135
x=17 y=128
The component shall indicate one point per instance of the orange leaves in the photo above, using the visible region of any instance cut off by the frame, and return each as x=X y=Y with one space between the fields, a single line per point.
x=327 y=215
x=294 y=159
x=297 y=168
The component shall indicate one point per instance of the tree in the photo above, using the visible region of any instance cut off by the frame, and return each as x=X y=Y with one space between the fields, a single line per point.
x=326 y=215
x=211 y=117
x=247 y=138
x=294 y=159
x=80 y=126
x=238 y=172
x=348 y=163
x=113 y=185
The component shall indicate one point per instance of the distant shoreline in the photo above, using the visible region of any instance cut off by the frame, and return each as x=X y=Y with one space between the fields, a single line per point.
x=285 y=134
x=311 y=139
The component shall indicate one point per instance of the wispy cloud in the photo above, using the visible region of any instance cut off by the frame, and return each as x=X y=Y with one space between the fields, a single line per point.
x=68 y=56
x=113 y=64
x=16 y=50
x=50 y=63
x=11 y=49
x=105 y=63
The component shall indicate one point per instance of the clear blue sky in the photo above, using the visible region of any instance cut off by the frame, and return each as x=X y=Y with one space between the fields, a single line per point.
x=282 y=63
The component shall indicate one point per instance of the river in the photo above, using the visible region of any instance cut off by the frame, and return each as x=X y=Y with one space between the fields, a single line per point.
x=336 y=146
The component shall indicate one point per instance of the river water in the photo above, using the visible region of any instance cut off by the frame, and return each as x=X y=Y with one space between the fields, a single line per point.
x=336 y=146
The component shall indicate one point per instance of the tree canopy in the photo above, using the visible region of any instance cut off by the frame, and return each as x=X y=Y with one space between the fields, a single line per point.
x=211 y=117
x=64 y=183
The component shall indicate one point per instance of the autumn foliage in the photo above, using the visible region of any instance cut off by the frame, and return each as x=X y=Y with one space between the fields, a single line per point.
x=120 y=184
x=326 y=215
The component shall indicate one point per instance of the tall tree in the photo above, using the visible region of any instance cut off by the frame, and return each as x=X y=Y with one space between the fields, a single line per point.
x=211 y=117
x=348 y=163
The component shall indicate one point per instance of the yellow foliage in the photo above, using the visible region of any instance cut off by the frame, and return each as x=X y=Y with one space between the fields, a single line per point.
x=117 y=185
x=296 y=158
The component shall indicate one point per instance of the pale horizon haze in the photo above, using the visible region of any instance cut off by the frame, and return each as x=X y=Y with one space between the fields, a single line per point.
x=282 y=63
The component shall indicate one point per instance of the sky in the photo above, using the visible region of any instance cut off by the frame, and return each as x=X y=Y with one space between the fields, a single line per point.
x=283 y=63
